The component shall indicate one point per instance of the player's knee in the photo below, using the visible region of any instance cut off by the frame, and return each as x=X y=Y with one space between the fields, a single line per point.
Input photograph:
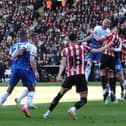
x=31 y=88
x=63 y=90
x=10 y=89
x=103 y=72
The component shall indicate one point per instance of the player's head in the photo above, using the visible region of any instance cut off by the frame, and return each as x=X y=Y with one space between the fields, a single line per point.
x=72 y=37
x=23 y=35
x=106 y=23
x=34 y=37
x=115 y=30
x=119 y=30
x=33 y=34
x=122 y=32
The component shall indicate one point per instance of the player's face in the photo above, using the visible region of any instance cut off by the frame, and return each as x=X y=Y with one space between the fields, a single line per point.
x=105 y=24
x=114 y=30
x=35 y=39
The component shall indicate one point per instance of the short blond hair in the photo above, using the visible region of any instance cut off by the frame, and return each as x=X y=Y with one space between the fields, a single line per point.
x=107 y=20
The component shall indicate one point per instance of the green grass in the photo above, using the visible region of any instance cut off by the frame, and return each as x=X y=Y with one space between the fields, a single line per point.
x=55 y=84
x=95 y=113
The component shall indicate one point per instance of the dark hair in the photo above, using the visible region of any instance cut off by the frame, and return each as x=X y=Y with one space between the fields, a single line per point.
x=72 y=37
x=33 y=34
x=23 y=33
x=115 y=21
x=123 y=31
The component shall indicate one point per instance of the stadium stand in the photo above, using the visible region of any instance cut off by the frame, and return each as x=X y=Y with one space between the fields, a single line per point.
x=53 y=25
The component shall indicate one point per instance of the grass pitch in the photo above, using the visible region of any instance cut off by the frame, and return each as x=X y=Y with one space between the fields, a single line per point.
x=95 y=113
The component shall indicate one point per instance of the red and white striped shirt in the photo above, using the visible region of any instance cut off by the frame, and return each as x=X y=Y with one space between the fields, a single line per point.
x=75 y=59
x=112 y=38
x=122 y=55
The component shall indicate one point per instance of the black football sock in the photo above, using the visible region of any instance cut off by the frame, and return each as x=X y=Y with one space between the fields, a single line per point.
x=81 y=103
x=55 y=102
x=112 y=83
x=105 y=87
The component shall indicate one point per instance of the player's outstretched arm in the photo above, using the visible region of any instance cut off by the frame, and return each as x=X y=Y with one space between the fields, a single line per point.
x=101 y=49
x=86 y=39
x=101 y=39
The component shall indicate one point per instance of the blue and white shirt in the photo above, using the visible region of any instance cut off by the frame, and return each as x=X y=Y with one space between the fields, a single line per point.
x=22 y=61
x=100 y=32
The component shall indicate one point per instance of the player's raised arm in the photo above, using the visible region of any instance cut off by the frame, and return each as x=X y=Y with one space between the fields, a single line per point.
x=101 y=49
x=86 y=39
x=101 y=39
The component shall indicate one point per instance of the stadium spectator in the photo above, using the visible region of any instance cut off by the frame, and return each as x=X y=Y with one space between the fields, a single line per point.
x=31 y=16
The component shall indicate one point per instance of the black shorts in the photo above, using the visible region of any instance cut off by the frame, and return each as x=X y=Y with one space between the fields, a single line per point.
x=107 y=61
x=77 y=80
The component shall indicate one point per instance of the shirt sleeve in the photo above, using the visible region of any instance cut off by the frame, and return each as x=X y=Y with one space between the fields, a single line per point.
x=108 y=36
x=10 y=52
x=124 y=44
x=96 y=29
x=32 y=49
x=63 y=53
x=23 y=46
x=87 y=49
x=118 y=49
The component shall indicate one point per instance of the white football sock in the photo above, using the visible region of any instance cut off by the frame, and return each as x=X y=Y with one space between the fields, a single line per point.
x=24 y=93
x=4 y=97
x=29 y=99
x=88 y=70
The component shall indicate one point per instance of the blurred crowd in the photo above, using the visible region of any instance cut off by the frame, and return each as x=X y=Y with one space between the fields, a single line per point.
x=53 y=24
